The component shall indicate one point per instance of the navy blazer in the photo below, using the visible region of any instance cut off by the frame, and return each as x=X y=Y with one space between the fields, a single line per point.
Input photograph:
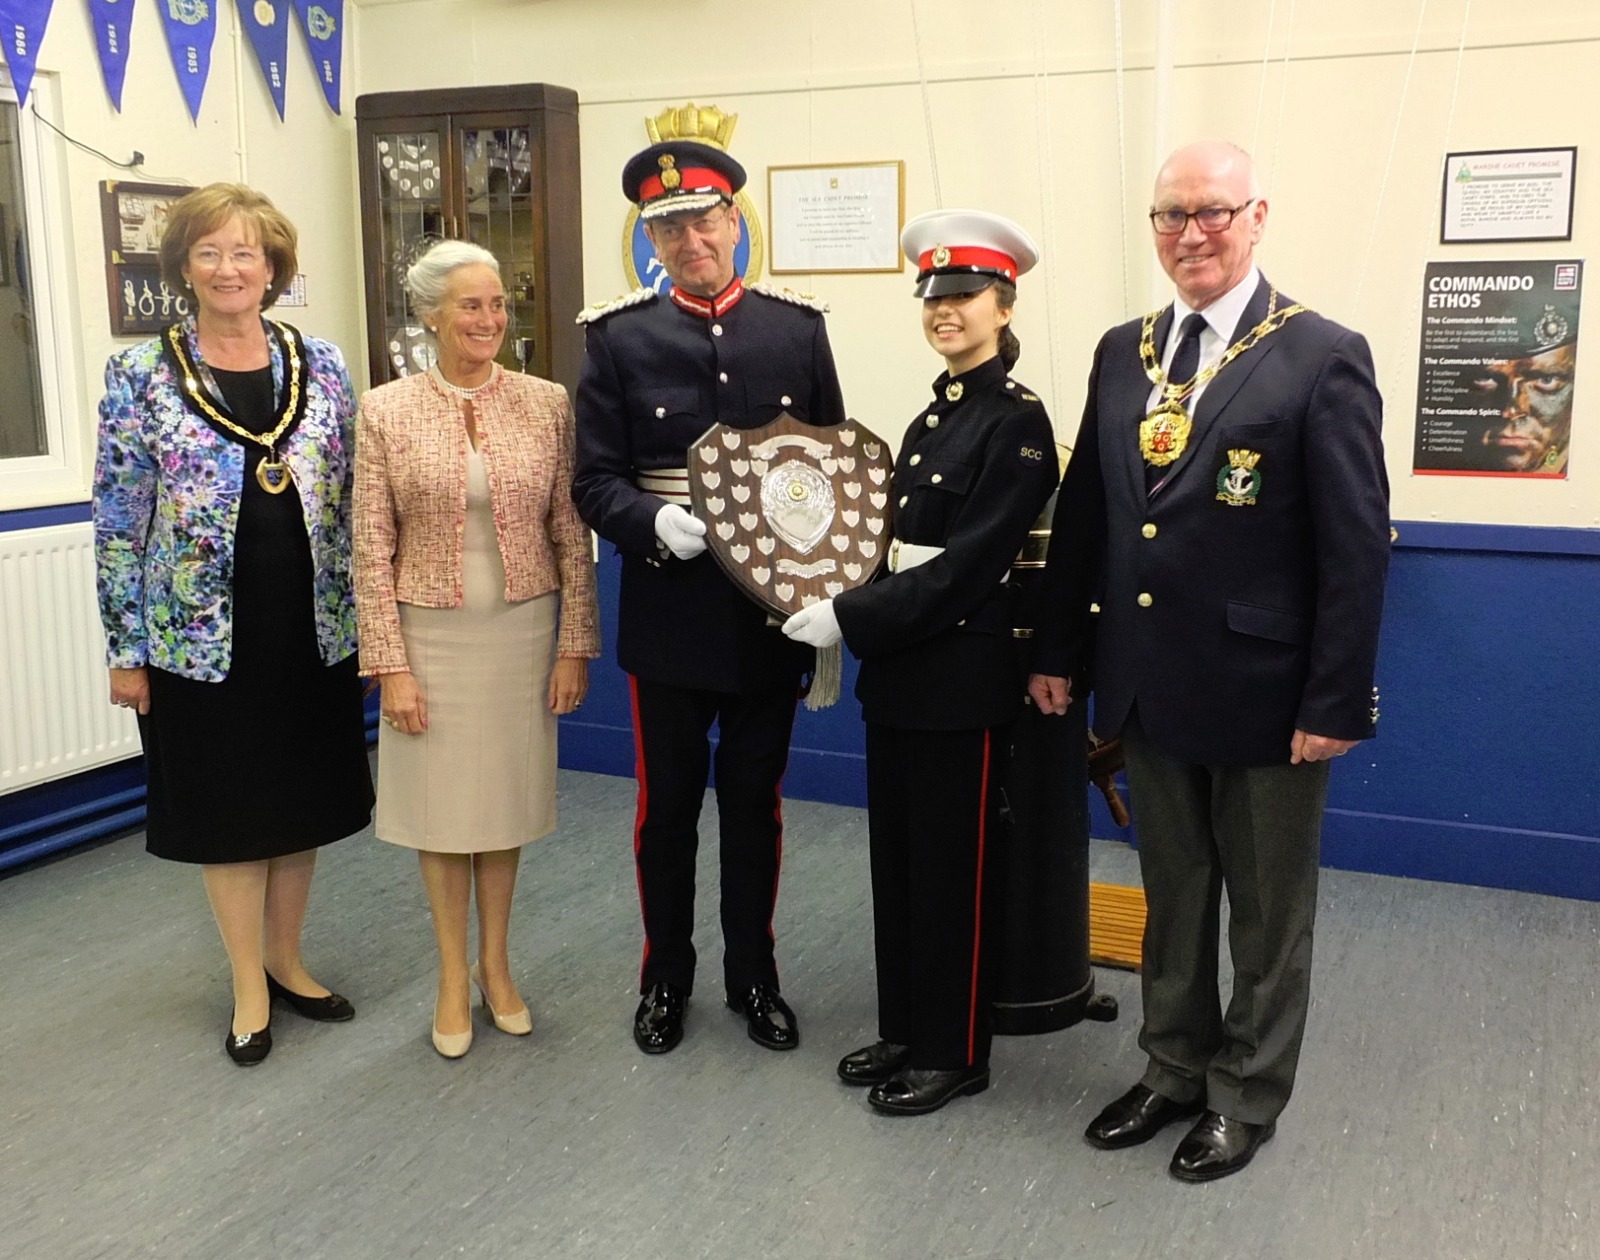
x=1232 y=618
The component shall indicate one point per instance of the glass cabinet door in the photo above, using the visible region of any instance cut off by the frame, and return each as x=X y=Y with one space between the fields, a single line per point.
x=496 y=177
x=413 y=212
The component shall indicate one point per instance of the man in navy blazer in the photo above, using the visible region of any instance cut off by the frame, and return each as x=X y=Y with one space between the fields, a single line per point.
x=1216 y=579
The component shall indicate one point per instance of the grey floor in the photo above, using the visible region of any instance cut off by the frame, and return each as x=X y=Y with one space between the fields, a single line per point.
x=1447 y=1105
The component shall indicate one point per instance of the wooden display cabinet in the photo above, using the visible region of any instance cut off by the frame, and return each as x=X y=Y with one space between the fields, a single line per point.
x=497 y=166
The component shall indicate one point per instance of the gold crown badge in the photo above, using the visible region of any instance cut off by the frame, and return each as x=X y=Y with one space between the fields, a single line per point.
x=1244 y=459
x=703 y=124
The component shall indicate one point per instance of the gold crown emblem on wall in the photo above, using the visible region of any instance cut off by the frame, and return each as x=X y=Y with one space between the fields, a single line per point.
x=705 y=124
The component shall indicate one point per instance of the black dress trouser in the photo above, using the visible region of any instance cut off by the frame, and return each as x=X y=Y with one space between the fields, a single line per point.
x=672 y=755
x=933 y=817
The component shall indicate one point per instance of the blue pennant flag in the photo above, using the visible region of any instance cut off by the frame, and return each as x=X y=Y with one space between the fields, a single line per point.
x=23 y=23
x=267 y=24
x=191 y=26
x=323 y=23
x=113 y=21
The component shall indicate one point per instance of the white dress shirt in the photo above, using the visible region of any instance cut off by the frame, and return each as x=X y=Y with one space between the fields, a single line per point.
x=1221 y=317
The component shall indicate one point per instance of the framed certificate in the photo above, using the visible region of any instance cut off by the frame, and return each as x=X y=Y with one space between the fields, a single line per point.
x=1508 y=195
x=842 y=218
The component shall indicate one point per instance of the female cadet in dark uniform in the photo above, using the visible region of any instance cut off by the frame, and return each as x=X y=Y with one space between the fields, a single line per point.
x=940 y=678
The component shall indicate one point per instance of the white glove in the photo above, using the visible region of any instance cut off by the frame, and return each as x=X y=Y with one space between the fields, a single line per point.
x=681 y=534
x=817 y=625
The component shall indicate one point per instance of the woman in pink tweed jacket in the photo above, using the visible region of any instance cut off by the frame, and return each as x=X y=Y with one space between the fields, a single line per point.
x=475 y=597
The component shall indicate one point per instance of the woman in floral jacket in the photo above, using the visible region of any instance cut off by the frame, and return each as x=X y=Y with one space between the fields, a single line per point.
x=222 y=540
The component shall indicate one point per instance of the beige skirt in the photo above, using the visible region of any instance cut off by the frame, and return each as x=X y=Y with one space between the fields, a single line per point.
x=483 y=775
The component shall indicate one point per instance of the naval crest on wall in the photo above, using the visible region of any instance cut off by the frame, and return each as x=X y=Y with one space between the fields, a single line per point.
x=705 y=124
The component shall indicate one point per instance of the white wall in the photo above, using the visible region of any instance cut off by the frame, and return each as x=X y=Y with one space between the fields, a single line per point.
x=1348 y=128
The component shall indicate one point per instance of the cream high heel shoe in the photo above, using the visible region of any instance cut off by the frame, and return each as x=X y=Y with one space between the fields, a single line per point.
x=450 y=1045
x=518 y=1024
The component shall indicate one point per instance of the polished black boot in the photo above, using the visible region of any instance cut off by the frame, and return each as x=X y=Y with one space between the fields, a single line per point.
x=767 y=1016
x=329 y=1009
x=658 y=1023
x=1218 y=1146
x=874 y=1064
x=917 y=1091
x=1136 y=1117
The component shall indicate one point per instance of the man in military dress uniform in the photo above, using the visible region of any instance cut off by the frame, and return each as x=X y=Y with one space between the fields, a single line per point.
x=658 y=372
x=1227 y=507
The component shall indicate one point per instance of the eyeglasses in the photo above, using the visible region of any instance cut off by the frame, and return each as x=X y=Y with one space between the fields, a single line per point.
x=208 y=259
x=1210 y=219
x=707 y=223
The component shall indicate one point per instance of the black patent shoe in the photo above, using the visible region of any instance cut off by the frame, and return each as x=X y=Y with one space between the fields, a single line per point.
x=247 y=1049
x=328 y=1009
x=874 y=1064
x=1136 y=1117
x=1217 y=1147
x=658 y=1023
x=767 y=1016
x=917 y=1091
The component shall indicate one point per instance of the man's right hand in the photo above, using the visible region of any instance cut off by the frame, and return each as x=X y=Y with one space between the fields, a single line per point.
x=403 y=706
x=681 y=534
x=1050 y=693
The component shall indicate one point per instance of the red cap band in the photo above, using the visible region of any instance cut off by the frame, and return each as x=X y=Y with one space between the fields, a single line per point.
x=693 y=179
x=944 y=257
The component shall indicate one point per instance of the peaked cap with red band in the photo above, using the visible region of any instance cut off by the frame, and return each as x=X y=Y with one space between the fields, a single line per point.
x=963 y=251
x=679 y=177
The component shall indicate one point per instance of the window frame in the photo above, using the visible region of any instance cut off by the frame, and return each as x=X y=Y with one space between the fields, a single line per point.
x=62 y=474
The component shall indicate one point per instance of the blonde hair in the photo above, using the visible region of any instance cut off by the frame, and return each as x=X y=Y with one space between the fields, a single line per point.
x=206 y=209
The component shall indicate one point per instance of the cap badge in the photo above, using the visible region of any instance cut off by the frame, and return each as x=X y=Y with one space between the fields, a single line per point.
x=954 y=390
x=1239 y=483
x=941 y=256
x=669 y=173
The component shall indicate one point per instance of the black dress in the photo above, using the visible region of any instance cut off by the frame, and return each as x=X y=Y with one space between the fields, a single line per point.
x=272 y=760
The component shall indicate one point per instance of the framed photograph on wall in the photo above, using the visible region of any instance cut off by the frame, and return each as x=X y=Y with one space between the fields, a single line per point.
x=841 y=218
x=133 y=217
x=1508 y=195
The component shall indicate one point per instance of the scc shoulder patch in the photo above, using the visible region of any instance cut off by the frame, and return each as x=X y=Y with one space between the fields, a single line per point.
x=1031 y=455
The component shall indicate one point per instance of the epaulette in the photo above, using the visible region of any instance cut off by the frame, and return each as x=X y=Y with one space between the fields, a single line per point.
x=600 y=310
x=788 y=295
x=1016 y=389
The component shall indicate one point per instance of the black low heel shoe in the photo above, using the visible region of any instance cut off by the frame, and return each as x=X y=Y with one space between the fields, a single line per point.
x=330 y=1009
x=247 y=1049
x=917 y=1091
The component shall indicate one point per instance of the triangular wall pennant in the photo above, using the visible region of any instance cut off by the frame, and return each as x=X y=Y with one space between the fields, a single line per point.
x=113 y=23
x=267 y=24
x=22 y=23
x=323 y=23
x=191 y=26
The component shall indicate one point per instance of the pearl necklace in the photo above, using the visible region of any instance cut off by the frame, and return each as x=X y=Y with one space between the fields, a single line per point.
x=465 y=391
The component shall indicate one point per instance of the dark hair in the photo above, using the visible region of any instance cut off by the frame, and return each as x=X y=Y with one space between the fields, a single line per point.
x=204 y=210
x=1005 y=297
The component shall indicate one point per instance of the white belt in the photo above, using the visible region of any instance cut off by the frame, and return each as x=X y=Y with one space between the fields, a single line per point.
x=904 y=555
x=671 y=484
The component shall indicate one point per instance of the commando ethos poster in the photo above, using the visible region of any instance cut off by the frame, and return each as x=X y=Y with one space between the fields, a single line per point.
x=1498 y=364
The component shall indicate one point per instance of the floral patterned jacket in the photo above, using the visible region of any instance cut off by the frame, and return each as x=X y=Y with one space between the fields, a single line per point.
x=166 y=500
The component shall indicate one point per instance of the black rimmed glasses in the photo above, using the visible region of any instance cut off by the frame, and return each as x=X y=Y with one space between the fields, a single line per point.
x=1209 y=218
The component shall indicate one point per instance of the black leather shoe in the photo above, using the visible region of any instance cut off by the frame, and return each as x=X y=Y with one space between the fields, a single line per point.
x=247 y=1049
x=874 y=1064
x=1218 y=1146
x=917 y=1091
x=658 y=1023
x=768 y=1017
x=329 y=1009
x=1136 y=1117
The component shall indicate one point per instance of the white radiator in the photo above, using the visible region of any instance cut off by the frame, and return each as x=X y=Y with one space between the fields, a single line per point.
x=55 y=717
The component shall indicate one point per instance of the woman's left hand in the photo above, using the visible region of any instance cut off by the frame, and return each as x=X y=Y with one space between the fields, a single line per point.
x=569 y=683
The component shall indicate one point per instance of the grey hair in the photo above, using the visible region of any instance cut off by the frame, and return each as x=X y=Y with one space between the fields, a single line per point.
x=428 y=279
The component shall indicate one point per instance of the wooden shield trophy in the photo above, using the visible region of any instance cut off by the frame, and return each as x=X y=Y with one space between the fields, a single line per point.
x=794 y=513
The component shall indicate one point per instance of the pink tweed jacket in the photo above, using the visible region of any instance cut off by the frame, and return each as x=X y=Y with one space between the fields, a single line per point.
x=411 y=507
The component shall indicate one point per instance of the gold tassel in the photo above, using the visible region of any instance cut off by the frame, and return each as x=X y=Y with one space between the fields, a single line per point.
x=826 y=678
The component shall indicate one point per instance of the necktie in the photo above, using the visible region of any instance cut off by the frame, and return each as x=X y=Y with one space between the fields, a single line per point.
x=1185 y=363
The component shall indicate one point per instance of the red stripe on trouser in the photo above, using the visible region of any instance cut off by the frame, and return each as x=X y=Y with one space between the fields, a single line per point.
x=977 y=903
x=640 y=809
